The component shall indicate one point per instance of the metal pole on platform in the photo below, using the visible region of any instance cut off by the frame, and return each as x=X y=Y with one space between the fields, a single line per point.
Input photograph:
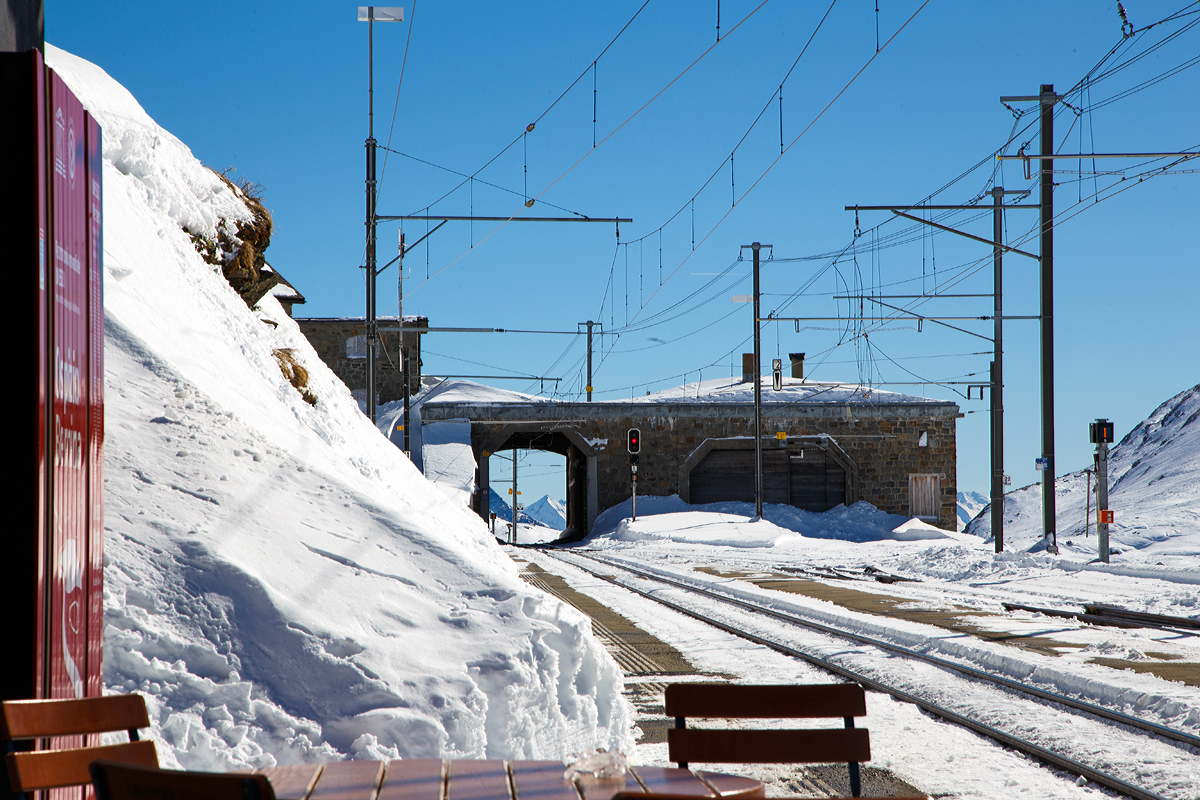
x=516 y=495
x=756 y=247
x=589 y=359
x=1048 y=98
x=997 y=371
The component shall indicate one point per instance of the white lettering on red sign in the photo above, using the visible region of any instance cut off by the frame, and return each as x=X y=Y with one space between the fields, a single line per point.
x=68 y=379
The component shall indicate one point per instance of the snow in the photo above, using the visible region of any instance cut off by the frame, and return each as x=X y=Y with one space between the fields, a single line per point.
x=969 y=506
x=448 y=460
x=280 y=582
x=549 y=512
x=718 y=390
x=794 y=390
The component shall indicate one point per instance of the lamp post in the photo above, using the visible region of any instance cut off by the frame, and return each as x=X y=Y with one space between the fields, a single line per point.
x=369 y=15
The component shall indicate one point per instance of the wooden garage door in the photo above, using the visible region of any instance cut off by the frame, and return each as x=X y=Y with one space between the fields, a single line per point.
x=818 y=482
x=811 y=482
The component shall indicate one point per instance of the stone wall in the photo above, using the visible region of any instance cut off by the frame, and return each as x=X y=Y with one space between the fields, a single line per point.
x=328 y=337
x=882 y=440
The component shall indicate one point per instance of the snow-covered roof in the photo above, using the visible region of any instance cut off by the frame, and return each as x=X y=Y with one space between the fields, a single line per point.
x=382 y=318
x=716 y=391
x=283 y=291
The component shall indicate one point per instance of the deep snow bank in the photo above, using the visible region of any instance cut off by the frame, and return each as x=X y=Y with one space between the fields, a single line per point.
x=280 y=580
x=729 y=524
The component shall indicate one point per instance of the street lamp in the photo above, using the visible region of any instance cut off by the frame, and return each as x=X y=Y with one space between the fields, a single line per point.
x=371 y=15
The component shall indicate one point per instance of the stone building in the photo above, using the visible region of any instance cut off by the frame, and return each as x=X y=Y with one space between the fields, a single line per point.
x=823 y=444
x=342 y=345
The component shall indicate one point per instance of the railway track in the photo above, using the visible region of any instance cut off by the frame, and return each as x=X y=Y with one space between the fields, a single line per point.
x=960 y=694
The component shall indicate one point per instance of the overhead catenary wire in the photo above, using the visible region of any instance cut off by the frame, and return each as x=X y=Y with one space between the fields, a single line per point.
x=769 y=167
x=550 y=107
x=584 y=157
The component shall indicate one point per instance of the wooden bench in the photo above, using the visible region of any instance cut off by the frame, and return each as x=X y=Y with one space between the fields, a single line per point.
x=24 y=720
x=769 y=746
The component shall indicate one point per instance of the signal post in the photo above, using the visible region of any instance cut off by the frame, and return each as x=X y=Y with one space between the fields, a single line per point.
x=634 y=445
x=1102 y=435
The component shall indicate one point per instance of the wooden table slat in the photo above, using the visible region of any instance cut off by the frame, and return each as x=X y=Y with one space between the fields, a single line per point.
x=434 y=779
x=665 y=780
x=604 y=788
x=477 y=780
x=541 y=780
x=349 y=780
x=734 y=785
x=292 y=782
x=413 y=779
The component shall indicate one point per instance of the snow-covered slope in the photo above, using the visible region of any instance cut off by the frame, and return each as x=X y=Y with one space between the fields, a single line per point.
x=280 y=581
x=549 y=512
x=1154 y=491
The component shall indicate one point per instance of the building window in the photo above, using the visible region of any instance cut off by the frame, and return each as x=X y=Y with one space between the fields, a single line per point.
x=924 y=496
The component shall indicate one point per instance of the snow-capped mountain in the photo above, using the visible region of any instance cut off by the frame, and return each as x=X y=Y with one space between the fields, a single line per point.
x=549 y=512
x=1154 y=489
x=500 y=507
x=969 y=504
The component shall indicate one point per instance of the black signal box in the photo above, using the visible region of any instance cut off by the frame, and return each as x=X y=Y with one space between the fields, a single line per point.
x=635 y=441
x=1101 y=431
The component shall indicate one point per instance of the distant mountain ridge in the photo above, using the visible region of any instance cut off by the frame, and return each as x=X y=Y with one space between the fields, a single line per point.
x=500 y=507
x=1154 y=487
x=551 y=513
x=969 y=505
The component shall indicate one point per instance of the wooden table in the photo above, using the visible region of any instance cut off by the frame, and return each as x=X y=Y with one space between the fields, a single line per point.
x=434 y=779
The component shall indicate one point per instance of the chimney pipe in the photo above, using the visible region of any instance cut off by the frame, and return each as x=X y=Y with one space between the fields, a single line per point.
x=749 y=368
x=797 y=365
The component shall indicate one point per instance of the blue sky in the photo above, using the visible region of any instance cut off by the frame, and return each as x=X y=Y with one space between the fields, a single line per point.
x=279 y=91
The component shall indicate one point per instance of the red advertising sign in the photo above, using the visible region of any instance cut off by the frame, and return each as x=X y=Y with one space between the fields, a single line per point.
x=69 y=562
x=53 y=584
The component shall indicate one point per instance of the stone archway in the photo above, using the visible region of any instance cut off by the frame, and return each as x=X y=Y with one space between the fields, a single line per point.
x=582 y=495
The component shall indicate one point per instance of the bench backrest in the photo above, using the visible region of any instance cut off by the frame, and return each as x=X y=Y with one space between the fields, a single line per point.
x=22 y=720
x=115 y=781
x=768 y=746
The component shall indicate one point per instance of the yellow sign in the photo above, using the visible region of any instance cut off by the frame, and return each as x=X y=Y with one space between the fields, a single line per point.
x=780 y=435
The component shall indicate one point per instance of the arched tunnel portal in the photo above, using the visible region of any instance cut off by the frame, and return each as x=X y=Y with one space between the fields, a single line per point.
x=581 y=466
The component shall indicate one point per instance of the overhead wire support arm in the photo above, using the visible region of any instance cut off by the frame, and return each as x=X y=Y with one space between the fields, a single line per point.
x=980 y=318
x=1032 y=157
x=408 y=247
x=414 y=329
x=504 y=377
x=953 y=230
x=1004 y=247
x=920 y=207
x=449 y=218
x=906 y=296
